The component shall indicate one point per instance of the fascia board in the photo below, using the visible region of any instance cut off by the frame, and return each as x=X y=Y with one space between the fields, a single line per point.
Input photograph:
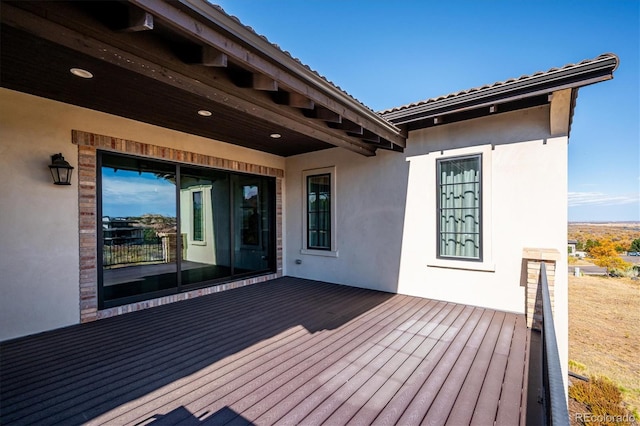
x=578 y=76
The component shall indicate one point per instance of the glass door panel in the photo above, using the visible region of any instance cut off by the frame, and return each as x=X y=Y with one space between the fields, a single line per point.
x=204 y=225
x=252 y=223
x=138 y=224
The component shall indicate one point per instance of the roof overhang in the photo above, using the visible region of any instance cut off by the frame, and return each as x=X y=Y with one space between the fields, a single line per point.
x=510 y=95
x=160 y=62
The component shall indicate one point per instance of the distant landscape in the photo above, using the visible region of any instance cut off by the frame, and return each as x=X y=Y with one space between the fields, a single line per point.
x=604 y=319
x=622 y=233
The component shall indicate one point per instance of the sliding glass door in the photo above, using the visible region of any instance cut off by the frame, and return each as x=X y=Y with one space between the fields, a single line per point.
x=169 y=227
x=138 y=232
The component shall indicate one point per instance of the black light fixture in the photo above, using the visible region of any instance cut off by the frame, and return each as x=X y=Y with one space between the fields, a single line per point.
x=60 y=170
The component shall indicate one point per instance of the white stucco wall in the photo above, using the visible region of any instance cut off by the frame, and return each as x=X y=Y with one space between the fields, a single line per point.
x=386 y=213
x=203 y=251
x=39 y=264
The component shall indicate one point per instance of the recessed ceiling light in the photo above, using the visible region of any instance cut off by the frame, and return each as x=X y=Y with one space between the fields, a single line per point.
x=275 y=135
x=79 y=72
x=204 y=113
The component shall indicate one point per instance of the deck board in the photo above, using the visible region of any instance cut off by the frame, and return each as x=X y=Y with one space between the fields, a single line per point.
x=489 y=398
x=288 y=351
x=445 y=398
x=465 y=403
x=512 y=386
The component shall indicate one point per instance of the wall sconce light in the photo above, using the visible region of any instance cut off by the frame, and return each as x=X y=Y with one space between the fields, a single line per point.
x=60 y=170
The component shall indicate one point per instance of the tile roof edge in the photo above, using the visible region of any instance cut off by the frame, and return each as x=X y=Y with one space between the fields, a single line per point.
x=506 y=84
x=284 y=58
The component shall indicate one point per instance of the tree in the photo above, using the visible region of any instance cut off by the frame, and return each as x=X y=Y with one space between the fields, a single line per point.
x=604 y=248
x=611 y=263
x=635 y=245
x=590 y=244
x=605 y=255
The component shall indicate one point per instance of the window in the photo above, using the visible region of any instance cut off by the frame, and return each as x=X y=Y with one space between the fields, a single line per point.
x=459 y=199
x=319 y=212
x=198 y=219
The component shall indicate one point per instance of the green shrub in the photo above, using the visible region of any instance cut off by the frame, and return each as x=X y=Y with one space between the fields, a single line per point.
x=577 y=366
x=627 y=271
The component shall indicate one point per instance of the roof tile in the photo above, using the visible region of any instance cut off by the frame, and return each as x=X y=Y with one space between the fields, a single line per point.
x=497 y=84
x=218 y=7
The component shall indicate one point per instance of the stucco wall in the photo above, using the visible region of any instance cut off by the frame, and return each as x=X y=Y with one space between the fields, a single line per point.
x=39 y=262
x=386 y=213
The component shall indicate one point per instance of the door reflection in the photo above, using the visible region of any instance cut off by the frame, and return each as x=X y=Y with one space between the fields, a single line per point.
x=204 y=225
x=168 y=227
x=138 y=227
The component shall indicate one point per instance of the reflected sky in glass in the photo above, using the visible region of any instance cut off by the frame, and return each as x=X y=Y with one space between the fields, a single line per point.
x=130 y=193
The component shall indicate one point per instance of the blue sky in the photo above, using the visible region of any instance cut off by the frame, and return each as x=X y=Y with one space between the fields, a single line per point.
x=387 y=54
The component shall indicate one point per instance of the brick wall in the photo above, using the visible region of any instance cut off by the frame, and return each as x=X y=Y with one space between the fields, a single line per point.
x=532 y=260
x=88 y=144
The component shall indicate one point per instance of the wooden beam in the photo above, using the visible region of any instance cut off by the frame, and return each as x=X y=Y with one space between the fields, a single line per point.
x=297 y=100
x=385 y=144
x=213 y=58
x=139 y=20
x=82 y=43
x=348 y=126
x=262 y=82
x=294 y=100
x=369 y=136
x=325 y=114
x=250 y=59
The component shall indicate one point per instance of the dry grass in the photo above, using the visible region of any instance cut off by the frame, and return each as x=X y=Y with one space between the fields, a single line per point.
x=604 y=331
x=602 y=398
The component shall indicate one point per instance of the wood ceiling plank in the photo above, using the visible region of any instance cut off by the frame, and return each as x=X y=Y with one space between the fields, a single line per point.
x=95 y=48
x=45 y=73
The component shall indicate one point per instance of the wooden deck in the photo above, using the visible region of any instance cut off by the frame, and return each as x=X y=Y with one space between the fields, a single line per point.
x=289 y=351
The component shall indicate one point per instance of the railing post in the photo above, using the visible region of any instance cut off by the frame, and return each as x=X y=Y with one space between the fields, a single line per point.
x=538 y=274
x=532 y=259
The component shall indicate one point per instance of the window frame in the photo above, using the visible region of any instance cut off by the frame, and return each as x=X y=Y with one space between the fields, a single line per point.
x=331 y=251
x=202 y=221
x=318 y=212
x=479 y=208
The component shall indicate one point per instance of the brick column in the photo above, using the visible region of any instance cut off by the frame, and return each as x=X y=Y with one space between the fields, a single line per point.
x=532 y=259
x=89 y=261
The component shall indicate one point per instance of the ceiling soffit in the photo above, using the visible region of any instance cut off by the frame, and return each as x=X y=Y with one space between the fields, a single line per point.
x=166 y=48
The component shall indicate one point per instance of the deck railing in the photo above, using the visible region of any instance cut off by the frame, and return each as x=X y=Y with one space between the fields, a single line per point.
x=554 y=399
x=133 y=253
